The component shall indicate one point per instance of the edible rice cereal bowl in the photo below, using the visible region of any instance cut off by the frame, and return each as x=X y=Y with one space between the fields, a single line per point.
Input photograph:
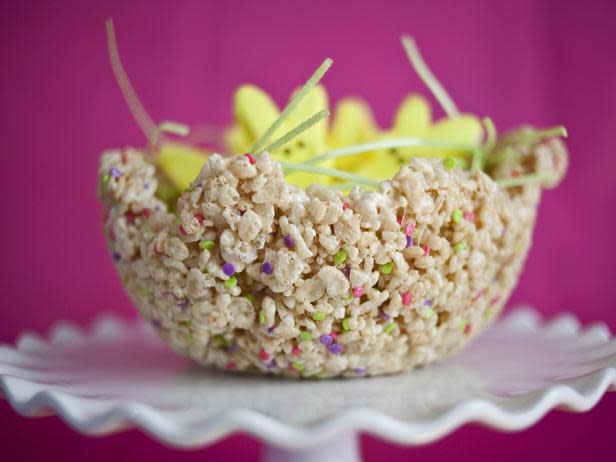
x=253 y=273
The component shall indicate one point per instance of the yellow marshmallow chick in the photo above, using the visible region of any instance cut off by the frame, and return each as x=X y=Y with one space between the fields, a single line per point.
x=352 y=124
x=414 y=120
x=179 y=164
x=254 y=113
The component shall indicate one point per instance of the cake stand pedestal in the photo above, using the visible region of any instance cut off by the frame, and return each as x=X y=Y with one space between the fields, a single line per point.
x=118 y=374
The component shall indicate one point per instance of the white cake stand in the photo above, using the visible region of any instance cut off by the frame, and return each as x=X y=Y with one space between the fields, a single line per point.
x=118 y=374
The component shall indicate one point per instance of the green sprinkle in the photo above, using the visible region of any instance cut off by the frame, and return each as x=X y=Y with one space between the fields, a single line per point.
x=487 y=313
x=305 y=336
x=231 y=282
x=349 y=297
x=220 y=341
x=428 y=313
x=390 y=327
x=250 y=298
x=177 y=219
x=298 y=366
x=459 y=247
x=261 y=317
x=345 y=325
x=462 y=325
x=145 y=291
x=105 y=177
x=416 y=234
x=456 y=216
x=318 y=316
x=207 y=245
x=340 y=257
x=449 y=163
x=387 y=268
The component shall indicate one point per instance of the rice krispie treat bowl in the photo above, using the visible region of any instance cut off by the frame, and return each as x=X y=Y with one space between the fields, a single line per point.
x=249 y=272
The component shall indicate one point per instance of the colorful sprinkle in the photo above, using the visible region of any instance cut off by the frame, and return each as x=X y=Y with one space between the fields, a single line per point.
x=387 y=268
x=449 y=163
x=459 y=247
x=360 y=371
x=347 y=272
x=228 y=269
x=345 y=325
x=494 y=299
x=130 y=216
x=428 y=313
x=232 y=348
x=182 y=304
x=105 y=178
x=207 y=245
x=358 y=292
x=183 y=230
x=199 y=218
x=270 y=329
x=467 y=329
x=250 y=297
x=427 y=302
x=263 y=355
x=462 y=325
x=340 y=257
x=409 y=229
x=326 y=339
x=385 y=316
x=407 y=298
x=231 y=282
x=145 y=291
x=305 y=336
x=115 y=172
x=456 y=216
x=250 y=158
x=267 y=268
x=296 y=351
x=478 y=296
x=469 y=216
x=348 y=297
x=231 y=366
x=318 y=316
x=335 y=348
x=409 y=241
x=289 y=242
x=298 y=366
x=116 y=256
x=426 y=249
x=345 y=205
x=389 y=327
x=262 y=317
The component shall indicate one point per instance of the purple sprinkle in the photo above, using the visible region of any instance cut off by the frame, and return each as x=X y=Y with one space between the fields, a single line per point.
x=156 y=324
x=271 y=364
x=409 y=241
x=347 y=272
x=270 y=330
x=427 y=302
x=385 y=316
x=267 y=268
x=146 y=185
x=232 y=348
x=326 y=339
x=158 y=208
x=360 y=371
x=116 y=256
x=228 y=269
x=288 y=241
x=115 y=172
x=335 y=348
x=182 y=304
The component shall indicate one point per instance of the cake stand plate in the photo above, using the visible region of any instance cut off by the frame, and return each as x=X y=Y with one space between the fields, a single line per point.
x=117 y=374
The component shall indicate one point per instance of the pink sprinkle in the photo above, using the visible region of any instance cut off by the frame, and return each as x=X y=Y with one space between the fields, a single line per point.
x=406 y=298
x=183 y=231
x=494 y=299
x=467 y=329
x=358 y=292
x=333 y=334
x=231 y=366
x=399 y=220
x=199 y=218
x=250 y=158
x=409 y=229
x=146 y=212
x=426 y=249
x=479 y=294
x=469 y=216
x=296 y=351
x=263 y=354
x=345 y=206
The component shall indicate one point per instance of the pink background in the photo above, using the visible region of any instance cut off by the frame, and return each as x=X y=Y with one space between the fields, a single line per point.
x=518 y=61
